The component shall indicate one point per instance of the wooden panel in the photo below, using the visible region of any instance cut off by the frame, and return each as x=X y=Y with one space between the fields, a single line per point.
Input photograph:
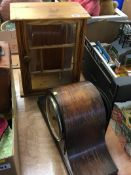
x=80 y=34
x=47 y=10
x=26 y=80
x=5 y=79
x=46 y=80
x=15 y=127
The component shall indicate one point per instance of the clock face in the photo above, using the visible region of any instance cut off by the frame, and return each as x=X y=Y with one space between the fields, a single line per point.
x=53 y=118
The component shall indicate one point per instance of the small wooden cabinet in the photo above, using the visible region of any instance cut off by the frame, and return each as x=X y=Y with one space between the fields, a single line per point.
x=50 y=41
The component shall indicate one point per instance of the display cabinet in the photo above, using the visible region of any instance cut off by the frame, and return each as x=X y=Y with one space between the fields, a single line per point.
x=50 y=41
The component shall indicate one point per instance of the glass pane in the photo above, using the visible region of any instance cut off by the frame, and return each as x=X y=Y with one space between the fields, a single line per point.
x=51 y=67
x=51 y=54
x=40 y=35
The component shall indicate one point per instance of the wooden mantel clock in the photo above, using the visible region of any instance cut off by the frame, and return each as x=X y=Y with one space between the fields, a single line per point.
x=50 y=41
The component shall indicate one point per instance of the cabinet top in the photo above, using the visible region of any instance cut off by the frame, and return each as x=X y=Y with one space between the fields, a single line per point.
x=47 y=11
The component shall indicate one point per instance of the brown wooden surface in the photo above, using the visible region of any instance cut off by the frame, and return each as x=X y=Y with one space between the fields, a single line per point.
x=59 y=10
x=5 y=79
x=44 y=81
x=24 y=65
x=13 y=159
x=38 y=153
x=15 y=128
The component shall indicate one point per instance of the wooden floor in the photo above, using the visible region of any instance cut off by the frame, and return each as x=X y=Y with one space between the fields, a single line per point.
x=38 y=153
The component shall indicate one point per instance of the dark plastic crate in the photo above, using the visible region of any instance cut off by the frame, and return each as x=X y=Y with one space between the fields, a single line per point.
x=112 y=88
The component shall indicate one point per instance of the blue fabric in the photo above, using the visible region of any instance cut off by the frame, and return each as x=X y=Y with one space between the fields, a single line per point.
x=120 y=2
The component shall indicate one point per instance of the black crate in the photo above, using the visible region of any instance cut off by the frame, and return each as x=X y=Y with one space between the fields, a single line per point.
x=112 y=88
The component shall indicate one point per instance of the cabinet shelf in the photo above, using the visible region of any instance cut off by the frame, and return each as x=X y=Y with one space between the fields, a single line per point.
x=52 y=46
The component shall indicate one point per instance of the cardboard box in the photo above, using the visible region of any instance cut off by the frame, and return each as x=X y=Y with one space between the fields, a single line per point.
x=121 y=123
x=10 y=165
x=115 y=87
x=10 y=37
x=104 y=28
x=127 y=8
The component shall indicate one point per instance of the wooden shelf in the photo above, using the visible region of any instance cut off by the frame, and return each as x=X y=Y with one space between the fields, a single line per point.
x=52 y=46
x=43 y=81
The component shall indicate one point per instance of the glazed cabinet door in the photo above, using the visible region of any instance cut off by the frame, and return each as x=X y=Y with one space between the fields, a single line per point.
x=50 y=49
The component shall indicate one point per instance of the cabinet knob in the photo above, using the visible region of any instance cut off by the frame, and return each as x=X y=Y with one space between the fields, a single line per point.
x=26 y=59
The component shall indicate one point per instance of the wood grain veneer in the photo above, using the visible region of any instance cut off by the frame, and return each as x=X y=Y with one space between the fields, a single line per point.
x=76 y=117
